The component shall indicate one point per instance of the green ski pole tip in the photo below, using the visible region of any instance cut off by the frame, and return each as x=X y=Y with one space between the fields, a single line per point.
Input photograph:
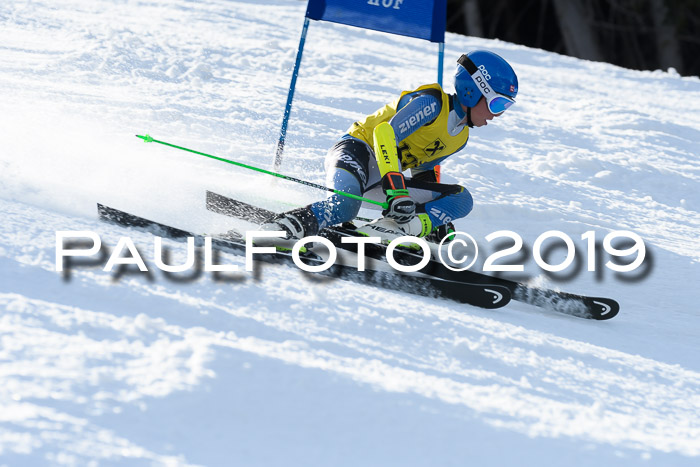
x=146 y=138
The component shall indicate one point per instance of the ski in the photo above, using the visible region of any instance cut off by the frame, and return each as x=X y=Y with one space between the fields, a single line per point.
x=484 y=296
x=583 y=306
x=233 y=208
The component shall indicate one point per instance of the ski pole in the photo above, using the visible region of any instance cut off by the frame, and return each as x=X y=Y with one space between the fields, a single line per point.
x=149 y=139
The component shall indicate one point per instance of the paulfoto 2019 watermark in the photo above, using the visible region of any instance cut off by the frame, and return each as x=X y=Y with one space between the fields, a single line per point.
x=459 y=252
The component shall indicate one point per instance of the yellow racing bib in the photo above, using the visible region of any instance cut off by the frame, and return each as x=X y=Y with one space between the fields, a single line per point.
x=426 y=144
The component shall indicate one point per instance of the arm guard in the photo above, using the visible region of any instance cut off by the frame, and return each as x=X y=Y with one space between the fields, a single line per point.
x=385 y=148
x=387 y=155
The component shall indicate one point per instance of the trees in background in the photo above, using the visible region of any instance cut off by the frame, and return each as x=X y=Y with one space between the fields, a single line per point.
x=641 y=34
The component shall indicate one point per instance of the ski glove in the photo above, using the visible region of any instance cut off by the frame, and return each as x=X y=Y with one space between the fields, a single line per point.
x=401 y=207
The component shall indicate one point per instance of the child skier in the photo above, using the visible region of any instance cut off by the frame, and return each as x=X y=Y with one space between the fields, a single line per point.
x=417 y=132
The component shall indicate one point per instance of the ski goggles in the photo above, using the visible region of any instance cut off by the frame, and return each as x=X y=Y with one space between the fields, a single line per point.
x=497 y=103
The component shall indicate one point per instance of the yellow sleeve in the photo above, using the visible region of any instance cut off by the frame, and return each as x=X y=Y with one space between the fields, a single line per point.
x=385 y=148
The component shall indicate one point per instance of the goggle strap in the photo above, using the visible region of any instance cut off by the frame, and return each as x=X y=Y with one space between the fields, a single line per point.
x=471 y=68
x=467 y=63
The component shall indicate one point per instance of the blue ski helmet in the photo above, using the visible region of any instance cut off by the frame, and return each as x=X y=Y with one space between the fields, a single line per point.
x=494 y=68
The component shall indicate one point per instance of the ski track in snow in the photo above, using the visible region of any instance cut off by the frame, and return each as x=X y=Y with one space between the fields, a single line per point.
x=286 y=368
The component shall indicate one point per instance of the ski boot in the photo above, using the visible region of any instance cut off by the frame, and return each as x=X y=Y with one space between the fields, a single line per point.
x=296 y=225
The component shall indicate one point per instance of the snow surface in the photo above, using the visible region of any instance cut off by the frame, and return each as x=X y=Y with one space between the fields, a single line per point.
x=284 y=369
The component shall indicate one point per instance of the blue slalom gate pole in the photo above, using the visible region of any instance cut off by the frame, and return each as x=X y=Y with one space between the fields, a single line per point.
x=441 y=60
x=290 y=97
